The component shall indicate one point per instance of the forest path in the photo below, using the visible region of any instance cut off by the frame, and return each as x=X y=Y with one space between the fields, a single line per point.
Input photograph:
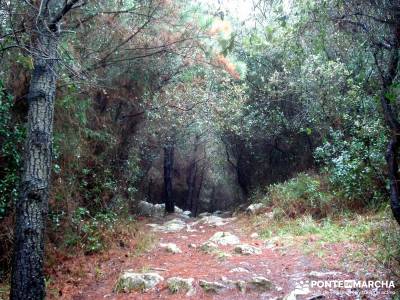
x=287 y=267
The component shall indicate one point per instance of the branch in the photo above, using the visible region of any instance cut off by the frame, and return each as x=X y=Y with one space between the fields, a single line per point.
x=67 y=7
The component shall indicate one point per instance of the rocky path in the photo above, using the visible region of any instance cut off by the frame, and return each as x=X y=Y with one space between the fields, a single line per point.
x=210 y=258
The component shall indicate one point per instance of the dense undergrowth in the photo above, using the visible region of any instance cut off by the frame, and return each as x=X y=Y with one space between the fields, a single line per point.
x=309 y=206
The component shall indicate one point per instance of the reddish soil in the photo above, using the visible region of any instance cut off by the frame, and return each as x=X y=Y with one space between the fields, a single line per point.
x=93 y=277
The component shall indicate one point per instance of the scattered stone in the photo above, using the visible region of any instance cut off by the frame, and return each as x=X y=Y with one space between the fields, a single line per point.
x=150 y=210
x=300 y=290
x=261 y=283
x=209 y=247
x=204 y=214
x=129 y=281
x=254 y=208
x=239 y=270
x=318 y=297
x=324 y=274
x=192 y=246
x=269 y=215
x=211 y=286
x=190 y=229
x=186 y=214
x=254 y=235
x=224 y=238
x=177 y=210
x=169 y=226
x=179 y=284
x=246 y=249
x=156 y=210
x=171 y=247
x=241 y=285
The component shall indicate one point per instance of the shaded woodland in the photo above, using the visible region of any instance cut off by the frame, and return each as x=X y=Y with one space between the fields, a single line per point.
x=202 y=105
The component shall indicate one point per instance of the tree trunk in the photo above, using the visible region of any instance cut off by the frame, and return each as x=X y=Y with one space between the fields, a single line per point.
x=192 y=175
x=168 y=169
x=27 y=280
x=390 y=114
x=195 y=205
x=393 y=169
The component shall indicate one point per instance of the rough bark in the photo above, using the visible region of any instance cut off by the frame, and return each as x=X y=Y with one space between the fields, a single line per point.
x=391 y=118
x=168 y=169
x=27 y=276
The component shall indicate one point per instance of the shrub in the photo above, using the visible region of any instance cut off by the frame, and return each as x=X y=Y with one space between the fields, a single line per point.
x=12 y=135
x=303 y=194
x=355 y=164
x=90 y=232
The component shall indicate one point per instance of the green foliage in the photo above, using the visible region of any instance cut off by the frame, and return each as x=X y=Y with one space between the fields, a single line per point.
x=355 y=164
x=12 y=135
x=303 y=194
x=328 y=230
x=89 y=231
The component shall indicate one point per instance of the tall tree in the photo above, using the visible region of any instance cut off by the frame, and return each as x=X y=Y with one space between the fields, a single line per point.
x=27 y=275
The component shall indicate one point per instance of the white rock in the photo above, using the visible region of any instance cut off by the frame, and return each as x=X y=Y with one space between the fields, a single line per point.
x=254 y=208
x=324 y=274
x=211 y=286
x=130 y=280
x=178 y=284
x=171 y=247
x=154 y=210
x=209 y=247
x=239 y=270
x=214 y=221
x=246 y=249
x=261 y=283
x=171 y=226
x=224 y=238
x=254 y=235
x=204 y=214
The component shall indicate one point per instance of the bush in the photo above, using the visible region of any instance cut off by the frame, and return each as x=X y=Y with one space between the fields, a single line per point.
x=89 y=233
x=303 y=194
x=355 y=164
x=12 y=136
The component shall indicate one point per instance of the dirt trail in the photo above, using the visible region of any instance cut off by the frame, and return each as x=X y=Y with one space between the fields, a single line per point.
x=286 y=267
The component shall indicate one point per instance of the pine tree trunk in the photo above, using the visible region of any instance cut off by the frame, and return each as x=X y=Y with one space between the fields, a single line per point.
x=28 y=280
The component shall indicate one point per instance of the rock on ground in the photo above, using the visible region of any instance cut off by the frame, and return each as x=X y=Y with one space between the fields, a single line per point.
x=179 y=284
x=209 y=247
x=169 y=226
x=239 y=270
x=171 y=247
x=261 y=283
x=211 y=286
x=224 y=238
x=246 y=249
x=254 y=208
x=130 y=280
x=214 y=221
x=156 y=210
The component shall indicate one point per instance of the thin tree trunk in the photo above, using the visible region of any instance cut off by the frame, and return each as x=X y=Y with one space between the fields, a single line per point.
x=191 y=182
x=168 y=168
x=27 y=275
x=192 y=175
x=195 y=205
